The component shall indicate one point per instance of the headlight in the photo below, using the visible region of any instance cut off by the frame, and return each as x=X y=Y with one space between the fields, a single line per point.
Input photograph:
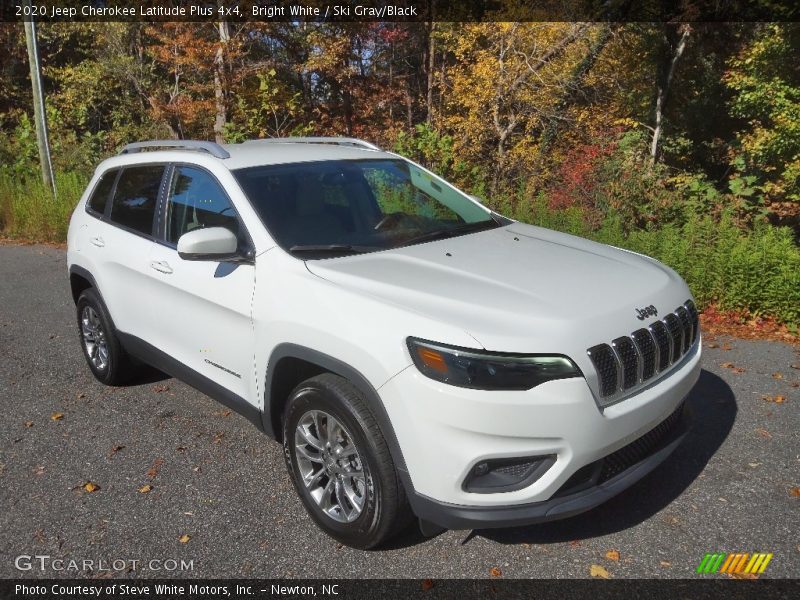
x=488 y=370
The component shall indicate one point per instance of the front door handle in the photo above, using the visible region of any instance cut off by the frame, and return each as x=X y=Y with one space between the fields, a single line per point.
x=98 y=241
x=161 y=266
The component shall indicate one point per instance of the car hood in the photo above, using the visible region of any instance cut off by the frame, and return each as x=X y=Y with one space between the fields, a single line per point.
x=517 y=288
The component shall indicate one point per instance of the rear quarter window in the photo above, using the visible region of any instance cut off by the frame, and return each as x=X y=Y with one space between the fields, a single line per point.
x=136 y=198
x=99 y=198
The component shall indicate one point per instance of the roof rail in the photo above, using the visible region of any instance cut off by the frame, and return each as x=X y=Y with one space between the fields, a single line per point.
x=212 y=148
x=339 y=141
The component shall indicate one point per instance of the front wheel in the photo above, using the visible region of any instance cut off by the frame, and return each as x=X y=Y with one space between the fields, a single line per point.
x=340 y=464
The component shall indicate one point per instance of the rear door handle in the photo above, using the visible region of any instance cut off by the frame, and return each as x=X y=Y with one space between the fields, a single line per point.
x=161 y=266
x=98 y=241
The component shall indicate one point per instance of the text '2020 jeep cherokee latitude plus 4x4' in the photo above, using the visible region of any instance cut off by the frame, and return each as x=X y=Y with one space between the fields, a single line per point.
x=415 y=352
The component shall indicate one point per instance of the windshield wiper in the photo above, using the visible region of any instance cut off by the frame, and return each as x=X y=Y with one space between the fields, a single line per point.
x=332 y=248
x=442 y=234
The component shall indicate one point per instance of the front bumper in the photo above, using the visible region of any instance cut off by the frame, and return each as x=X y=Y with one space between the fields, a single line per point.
x=585 y=494
x=444 y=431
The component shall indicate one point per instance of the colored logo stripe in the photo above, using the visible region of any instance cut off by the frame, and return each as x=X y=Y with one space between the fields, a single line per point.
x=741 y=562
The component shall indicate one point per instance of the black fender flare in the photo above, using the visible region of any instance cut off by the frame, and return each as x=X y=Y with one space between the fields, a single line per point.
x=337 y=367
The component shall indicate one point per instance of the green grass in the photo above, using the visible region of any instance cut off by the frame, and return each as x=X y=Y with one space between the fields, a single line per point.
x=29 y=211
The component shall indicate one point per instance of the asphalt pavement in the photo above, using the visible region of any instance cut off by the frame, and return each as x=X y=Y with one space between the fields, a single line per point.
x=220 y=501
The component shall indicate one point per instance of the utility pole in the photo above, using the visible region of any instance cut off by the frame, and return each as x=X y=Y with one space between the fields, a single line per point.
x=39 y=113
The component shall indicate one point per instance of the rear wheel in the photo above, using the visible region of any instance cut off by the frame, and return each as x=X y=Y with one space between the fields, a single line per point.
x=340 y=464
x=105 y=356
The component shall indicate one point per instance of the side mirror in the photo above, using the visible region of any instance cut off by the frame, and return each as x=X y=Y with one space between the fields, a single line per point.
x=213 y=243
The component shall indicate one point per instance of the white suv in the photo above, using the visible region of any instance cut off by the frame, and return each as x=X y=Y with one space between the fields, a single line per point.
x=416 y=353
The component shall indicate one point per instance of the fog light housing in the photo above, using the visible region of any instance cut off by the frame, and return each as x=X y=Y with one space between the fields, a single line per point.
x=506 y=474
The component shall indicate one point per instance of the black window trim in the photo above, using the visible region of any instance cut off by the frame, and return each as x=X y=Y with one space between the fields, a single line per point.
x=89 y=210
x=160 y=236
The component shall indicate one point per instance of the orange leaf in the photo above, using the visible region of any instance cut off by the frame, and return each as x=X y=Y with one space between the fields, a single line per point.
x=152 y=472
x=777 y=375
x=794 y=491
x=598 y=571
x=57 y=416
x=495 y=572
x=612 y=555
x=427 y=584
x=90 y=487
x=764 y=433
x=28 y=423
x=145 y=489
x=727 y=365
x=184 y=538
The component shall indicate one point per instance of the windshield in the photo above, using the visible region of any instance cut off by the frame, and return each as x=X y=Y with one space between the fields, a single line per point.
x=329 y=208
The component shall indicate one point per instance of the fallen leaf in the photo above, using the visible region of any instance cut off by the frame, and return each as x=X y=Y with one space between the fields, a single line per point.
x=575 y=543
x=777 y=375
x=797 y=366
x=57 y=416
x=158 y=389
x=114 y=450
x=727 y=365
x=427 y=584
x=764 y=433
x=81 y=395
x=712 y=345
x=152 y=472
x=39 y=470
x=181 y=448
x=90 y=487
x=599 y=571
x=495 y=572
x=665 y=563
x=774 y=399
x=184 y=538
x=737 y=370
x=218 y=438
x=29 y=424
x=754 y=465
x=794 y=491
x=612 y=555
x=145 y=489
x=226 y=413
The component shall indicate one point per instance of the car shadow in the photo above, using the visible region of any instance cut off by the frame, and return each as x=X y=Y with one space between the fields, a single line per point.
x=713 y=408
x=146 y=374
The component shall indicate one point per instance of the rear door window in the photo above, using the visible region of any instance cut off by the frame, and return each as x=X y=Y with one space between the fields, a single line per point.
x=136 y=198
x=99 y=198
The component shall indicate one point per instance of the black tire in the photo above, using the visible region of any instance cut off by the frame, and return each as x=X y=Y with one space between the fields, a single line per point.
x=385 y=511
x=118 y=366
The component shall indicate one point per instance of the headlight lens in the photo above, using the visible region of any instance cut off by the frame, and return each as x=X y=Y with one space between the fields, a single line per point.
x=488 y=370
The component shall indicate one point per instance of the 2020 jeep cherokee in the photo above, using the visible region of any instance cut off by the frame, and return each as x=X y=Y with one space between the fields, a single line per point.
x=416 y=353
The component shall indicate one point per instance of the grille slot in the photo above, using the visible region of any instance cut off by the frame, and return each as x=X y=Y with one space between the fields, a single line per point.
x=661 y=337
x=675 y=335
x=629 y=359
x=686 y=324
x=694 y=318
x=647 y=350
x=606 y=365
x=634 y=359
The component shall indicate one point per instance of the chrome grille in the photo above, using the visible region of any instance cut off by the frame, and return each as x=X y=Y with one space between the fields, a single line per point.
x=634 y=359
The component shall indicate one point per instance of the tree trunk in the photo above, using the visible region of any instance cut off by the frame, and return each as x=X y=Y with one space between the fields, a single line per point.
x=664 y=80
x=220 y=96
x=430 y=69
